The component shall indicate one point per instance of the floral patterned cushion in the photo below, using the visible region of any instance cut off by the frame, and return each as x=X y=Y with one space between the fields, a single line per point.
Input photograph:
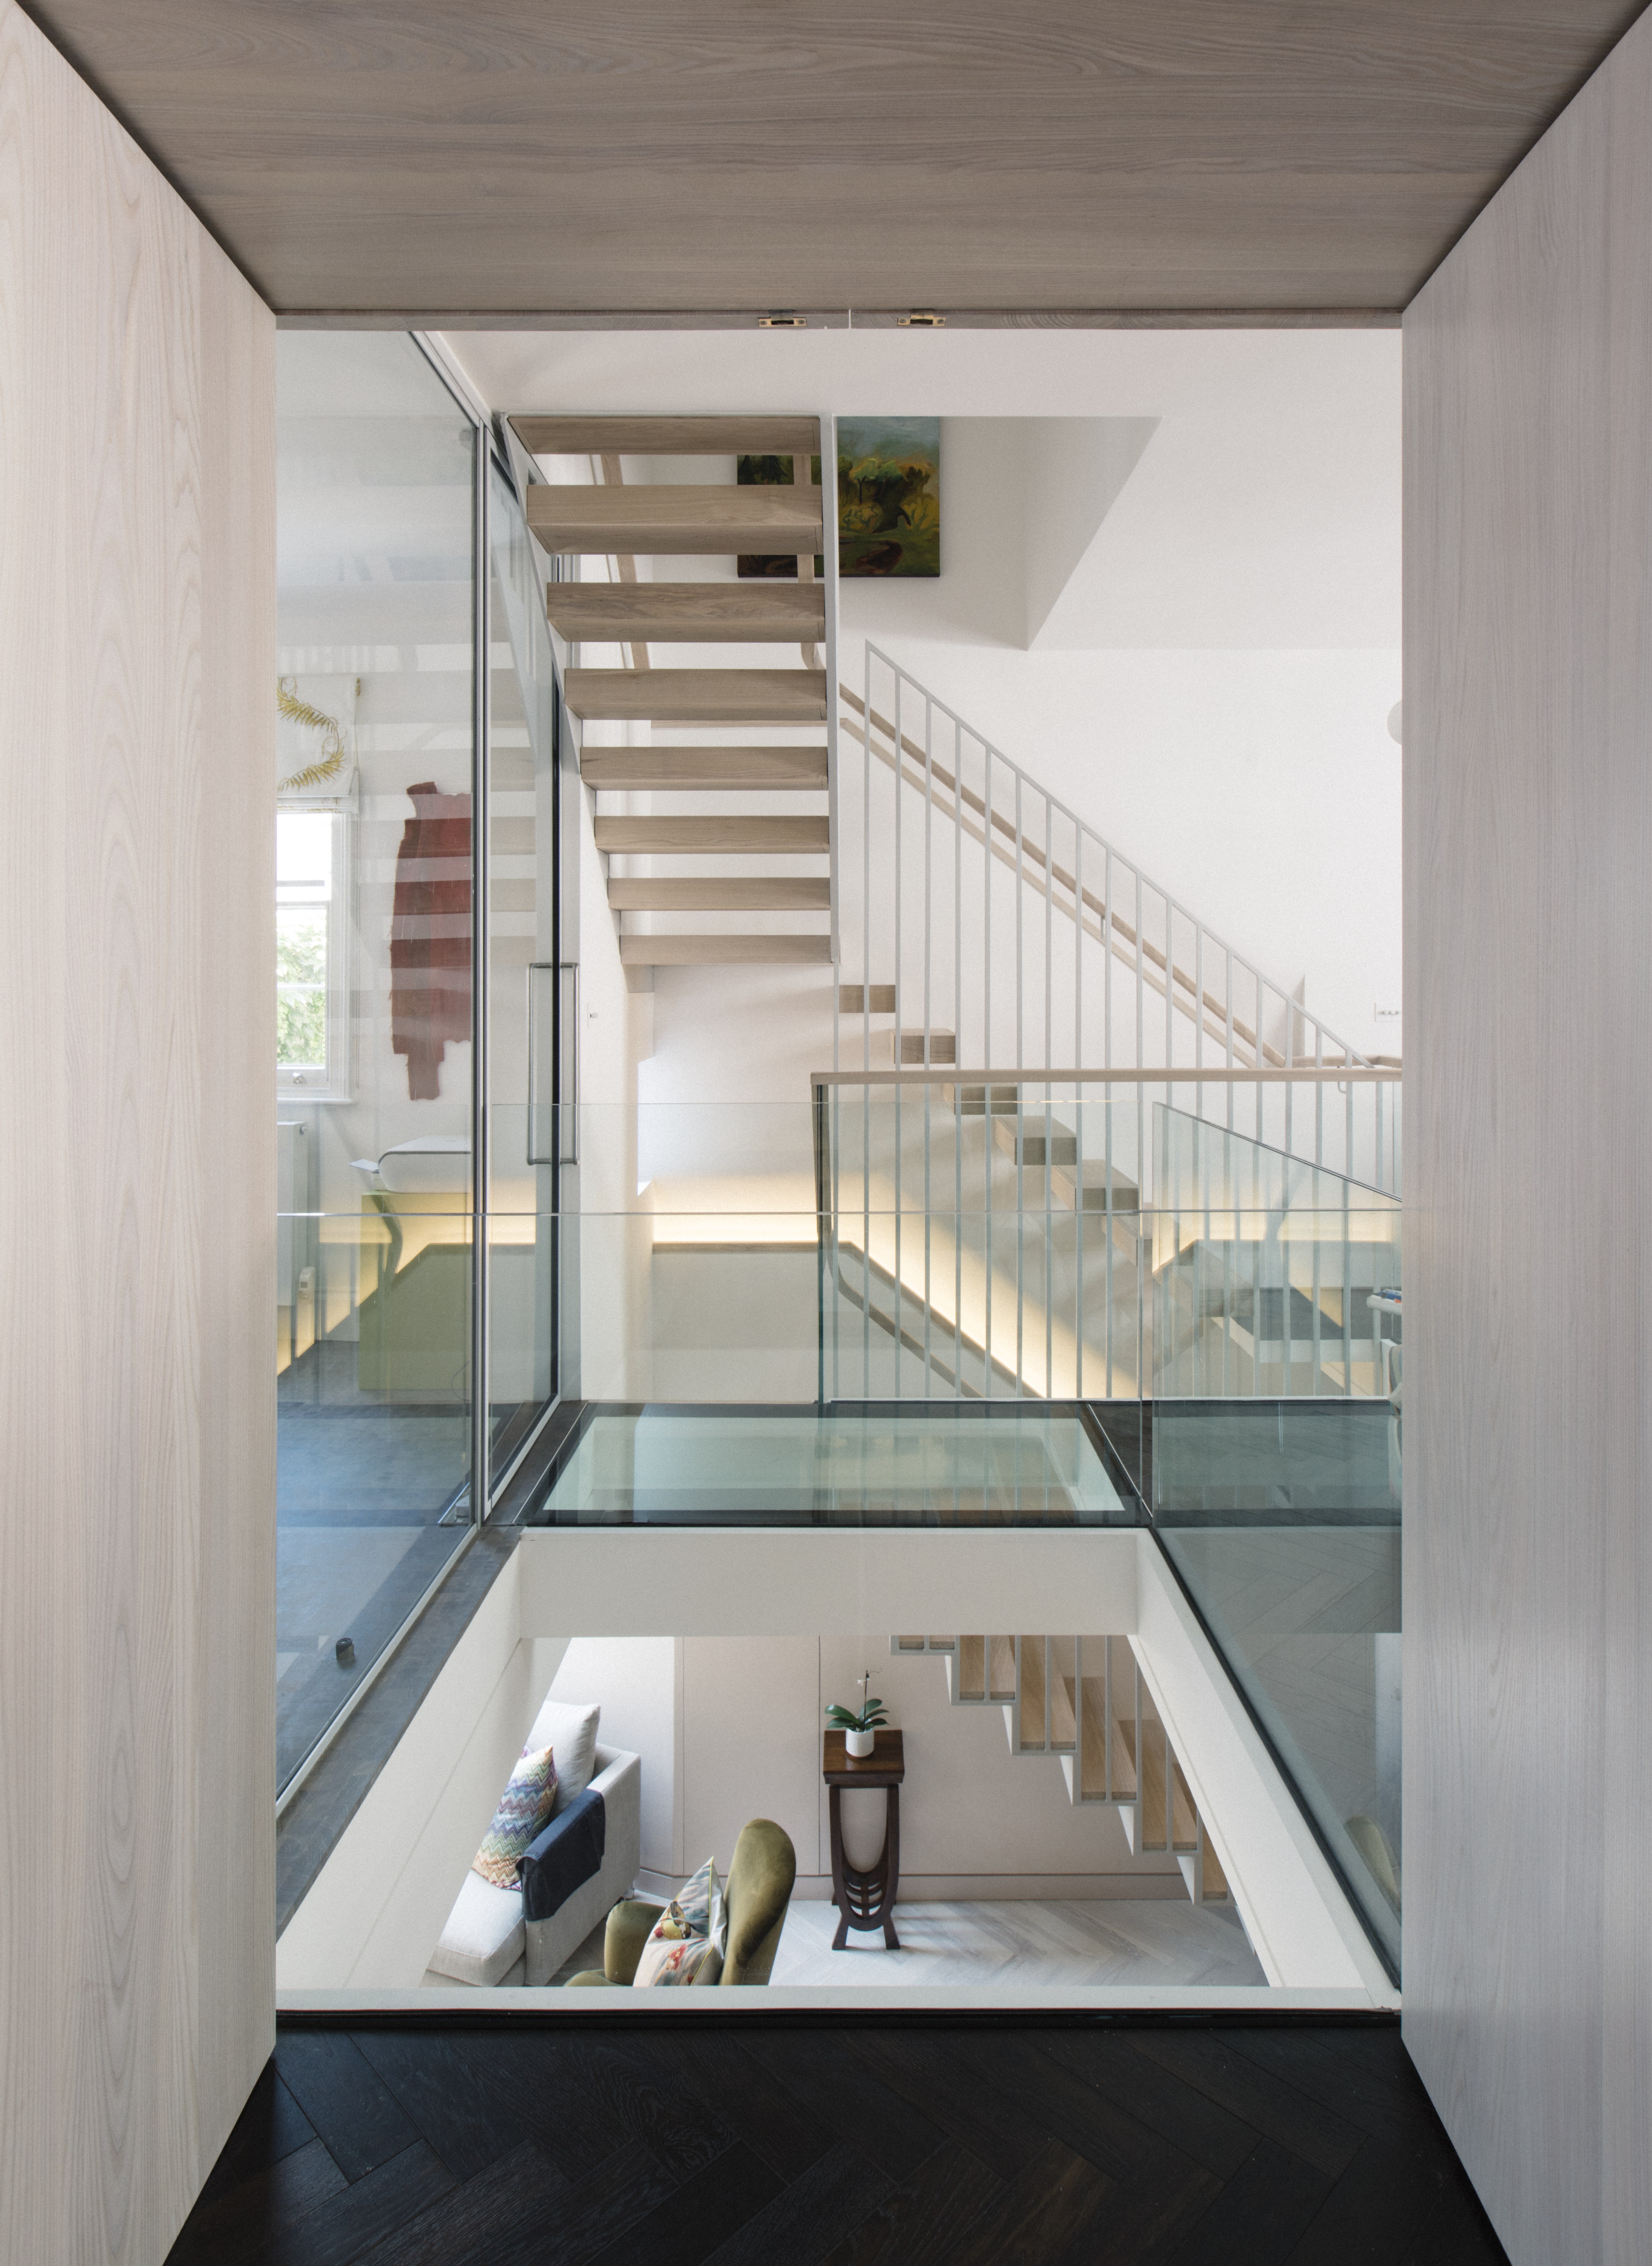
x=688 y=1939
x=523 y=1814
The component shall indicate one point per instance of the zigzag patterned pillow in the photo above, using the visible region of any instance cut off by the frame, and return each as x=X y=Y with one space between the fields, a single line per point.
x=523 y=1814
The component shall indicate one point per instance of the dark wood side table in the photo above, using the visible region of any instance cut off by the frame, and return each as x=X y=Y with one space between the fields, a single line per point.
x=866 y=1900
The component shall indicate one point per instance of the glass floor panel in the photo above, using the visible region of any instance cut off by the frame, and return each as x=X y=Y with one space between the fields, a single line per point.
x=1013 y=1466
x=1223 y=1462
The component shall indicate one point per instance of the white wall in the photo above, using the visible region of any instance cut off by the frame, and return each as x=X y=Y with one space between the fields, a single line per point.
x=635 y=1680
x=137 y=1689
x=1528 y=1575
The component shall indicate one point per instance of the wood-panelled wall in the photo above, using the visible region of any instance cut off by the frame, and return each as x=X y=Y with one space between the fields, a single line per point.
x=1528 y=1258
x=136 y=1181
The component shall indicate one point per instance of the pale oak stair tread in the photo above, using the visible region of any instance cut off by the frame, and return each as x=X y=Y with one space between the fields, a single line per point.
x=704 y=770
x=642 y=837
x=852 y=1000
x=689 y=696
x=678 y=521
x=770 y=893
x=685 y=613
x=720 y=951
x=573 y=436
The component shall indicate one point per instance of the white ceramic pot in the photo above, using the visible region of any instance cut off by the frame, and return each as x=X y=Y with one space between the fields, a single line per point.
x=860 y=1743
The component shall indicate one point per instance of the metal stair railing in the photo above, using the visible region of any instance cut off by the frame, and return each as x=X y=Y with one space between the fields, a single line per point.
x=983 y=921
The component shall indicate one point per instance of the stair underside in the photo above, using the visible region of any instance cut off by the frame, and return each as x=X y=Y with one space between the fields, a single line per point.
x=712 y=837
x=695 y=769
x=715 y=950
x=672 y=520
x=697 y=695
x=668 y=436
x=682 y=613
x=677 y=521
x=770 y=893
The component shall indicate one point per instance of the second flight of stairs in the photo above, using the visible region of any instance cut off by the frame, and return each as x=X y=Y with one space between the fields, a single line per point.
x=676 y=864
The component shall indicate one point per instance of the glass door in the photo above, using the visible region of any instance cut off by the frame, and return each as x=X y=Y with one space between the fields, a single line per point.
x=522 y=987
x=375 y=695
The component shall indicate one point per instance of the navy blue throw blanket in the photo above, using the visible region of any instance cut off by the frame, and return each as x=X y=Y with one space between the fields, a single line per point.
x=567 y=1855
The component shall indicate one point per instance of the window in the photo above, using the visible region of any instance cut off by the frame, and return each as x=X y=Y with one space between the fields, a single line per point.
x=311 y=941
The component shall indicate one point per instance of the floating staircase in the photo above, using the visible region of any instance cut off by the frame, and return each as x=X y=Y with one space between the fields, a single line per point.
x=667 y=863
x=1083 y=1701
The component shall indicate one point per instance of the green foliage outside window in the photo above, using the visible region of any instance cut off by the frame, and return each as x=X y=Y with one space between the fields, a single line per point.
x=301 y=988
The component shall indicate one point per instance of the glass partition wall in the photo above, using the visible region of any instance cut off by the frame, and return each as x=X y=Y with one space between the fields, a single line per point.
x=414 y=686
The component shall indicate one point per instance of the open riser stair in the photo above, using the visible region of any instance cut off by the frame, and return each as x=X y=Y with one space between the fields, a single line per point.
x=729 y=879
x=1082 y=1700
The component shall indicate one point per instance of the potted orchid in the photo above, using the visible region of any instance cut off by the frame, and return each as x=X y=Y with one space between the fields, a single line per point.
x=859 y=1724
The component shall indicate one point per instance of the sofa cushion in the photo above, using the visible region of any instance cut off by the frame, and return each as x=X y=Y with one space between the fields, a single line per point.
x=485 y=1936
x=570 y=1728
x=685 y=1943
x=524 y=1811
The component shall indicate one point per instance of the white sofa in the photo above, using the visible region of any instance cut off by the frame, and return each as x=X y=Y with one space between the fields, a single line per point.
x=486 y=1940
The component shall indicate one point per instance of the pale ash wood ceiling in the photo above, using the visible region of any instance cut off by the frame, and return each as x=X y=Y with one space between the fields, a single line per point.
x=520 y=157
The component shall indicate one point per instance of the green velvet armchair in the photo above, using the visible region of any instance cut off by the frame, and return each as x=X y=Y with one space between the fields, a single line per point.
x=756 y=1894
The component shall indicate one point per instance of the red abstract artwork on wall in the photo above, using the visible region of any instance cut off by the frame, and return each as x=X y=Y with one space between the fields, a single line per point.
x=430 y=937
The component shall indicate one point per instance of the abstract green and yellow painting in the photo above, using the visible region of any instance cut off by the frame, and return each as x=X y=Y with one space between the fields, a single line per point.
x=889 y=499
x=889 y=495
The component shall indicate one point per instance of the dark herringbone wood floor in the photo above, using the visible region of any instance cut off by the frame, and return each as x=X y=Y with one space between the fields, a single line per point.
x=883 y=2141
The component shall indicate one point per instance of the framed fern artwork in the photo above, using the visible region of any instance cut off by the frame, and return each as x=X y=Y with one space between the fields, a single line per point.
x=889 y=499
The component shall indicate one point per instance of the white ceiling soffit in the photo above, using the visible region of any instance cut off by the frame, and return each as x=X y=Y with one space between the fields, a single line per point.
x=1264 y=515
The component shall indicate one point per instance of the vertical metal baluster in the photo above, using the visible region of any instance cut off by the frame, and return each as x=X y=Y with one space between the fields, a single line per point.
x=986 y=924
x=1107 y=1711
x=1257 y=1265
x=958 y=1054
x=837 y=1237
x=1049 y=1094
x=1021 y=928
x=1378 y=1090
x=866 y=1035
x=1078 y=1136
x=1199 y=1018
x=900 y=882
x=1317 y=1278
x=987 y=1049
x=928 y=935
x=1318 y=1096
x=1290 y=1063
x=1078 y=1719
x=1021 y=1099
x=928 y=867
x=1348 y=1295
x=1049 y=930
x=1141 y=1065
